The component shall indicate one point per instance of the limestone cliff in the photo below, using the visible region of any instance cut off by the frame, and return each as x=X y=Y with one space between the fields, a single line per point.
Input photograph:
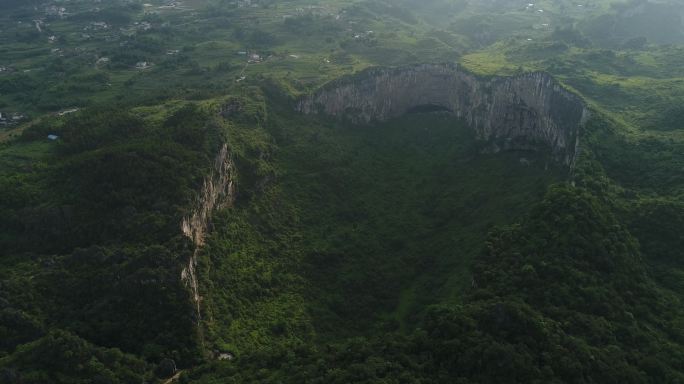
x=519 y=112
x=218 y=191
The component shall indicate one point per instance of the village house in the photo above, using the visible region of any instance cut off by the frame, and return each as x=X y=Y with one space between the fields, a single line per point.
x=54 y=10
x=96 y=26
x=254 y=58
x=145 y=26
x=226 y=356
x=6 y=119
x=171 y=5
x=143 y=65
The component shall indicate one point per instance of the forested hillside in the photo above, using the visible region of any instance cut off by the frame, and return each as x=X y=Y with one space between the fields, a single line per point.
x=333 y=191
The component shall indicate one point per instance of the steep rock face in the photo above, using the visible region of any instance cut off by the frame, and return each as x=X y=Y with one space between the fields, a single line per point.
x=521 y=112
x=218 y=191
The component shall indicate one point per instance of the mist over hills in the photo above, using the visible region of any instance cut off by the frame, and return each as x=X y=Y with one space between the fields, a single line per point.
x=341 y=191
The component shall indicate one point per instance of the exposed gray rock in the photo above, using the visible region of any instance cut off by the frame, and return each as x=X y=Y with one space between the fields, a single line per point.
x=528 y=111
x=218 y=191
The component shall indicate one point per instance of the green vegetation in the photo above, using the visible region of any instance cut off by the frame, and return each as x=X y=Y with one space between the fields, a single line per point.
x=562 y=297
x=335 y=233
x=90 y=239
x=394 y=252
x=60 y=357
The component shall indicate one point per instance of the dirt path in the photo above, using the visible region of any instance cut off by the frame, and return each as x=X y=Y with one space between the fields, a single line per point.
x=173 y=378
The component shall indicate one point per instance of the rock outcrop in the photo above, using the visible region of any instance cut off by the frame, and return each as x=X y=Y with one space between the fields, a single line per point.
x=528 y=111
x=218 y=191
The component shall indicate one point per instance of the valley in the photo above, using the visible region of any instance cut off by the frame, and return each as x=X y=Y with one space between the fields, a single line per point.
x=341 y=191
